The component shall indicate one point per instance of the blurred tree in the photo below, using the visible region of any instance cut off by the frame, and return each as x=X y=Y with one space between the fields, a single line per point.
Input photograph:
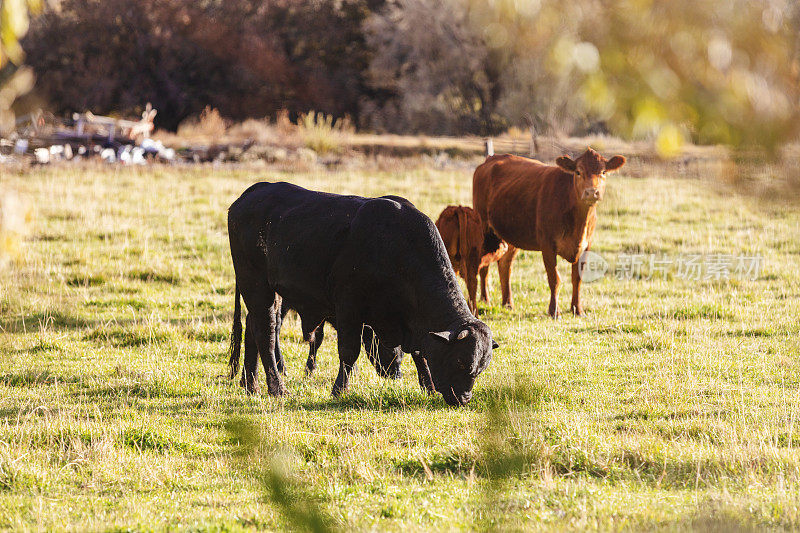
x=712 y=72
x=243 y=57
x=704 y=71
x=15 y=79
x=13 y=25
x=707 y=71
x=435 y=68
x=522 y=58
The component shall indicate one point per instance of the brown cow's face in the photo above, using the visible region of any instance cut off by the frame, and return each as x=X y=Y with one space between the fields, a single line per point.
x=589 y=174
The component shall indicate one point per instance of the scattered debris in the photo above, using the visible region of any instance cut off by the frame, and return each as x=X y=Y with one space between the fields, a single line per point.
x=47 y=139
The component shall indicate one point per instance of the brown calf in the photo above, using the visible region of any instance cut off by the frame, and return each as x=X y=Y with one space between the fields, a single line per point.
x=462 y=233
x=550 y=208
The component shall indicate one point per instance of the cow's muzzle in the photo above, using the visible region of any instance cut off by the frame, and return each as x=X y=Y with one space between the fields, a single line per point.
x=592 y=195
x=457 y=399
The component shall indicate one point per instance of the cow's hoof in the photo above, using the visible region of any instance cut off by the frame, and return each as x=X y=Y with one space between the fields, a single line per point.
x=508 y=305
x=275 y=386
x=555 y=315
x=249 y=385
x=309 y=371
x=577 y=311
x=336 y=392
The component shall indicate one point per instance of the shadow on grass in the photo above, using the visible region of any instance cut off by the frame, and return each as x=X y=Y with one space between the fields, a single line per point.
x=59 y=320
x=142 y=439
x=613 y=329
x=692 y=312
x=382 y=399
x=153 y=276
x=410 y=397
x=35 y=378
x=47 y=319
x=676 y=415
x=125 y=337
x=452 y=462
x=753 y=333
x=141 y=390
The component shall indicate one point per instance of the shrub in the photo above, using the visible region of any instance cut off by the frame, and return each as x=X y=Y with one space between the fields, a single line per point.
x=322 y=133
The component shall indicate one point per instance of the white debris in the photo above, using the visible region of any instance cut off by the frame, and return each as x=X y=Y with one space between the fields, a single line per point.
x=137 y=156
x=42 y=155
x=108 y=155
x=56 y=152
x=157 y=148
x=168 y=154
x=124 y=155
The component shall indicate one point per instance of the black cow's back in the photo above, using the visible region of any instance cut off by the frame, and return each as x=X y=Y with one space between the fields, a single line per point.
x=292 y=236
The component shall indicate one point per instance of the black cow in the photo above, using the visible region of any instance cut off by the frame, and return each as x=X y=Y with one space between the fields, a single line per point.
x=352 y=261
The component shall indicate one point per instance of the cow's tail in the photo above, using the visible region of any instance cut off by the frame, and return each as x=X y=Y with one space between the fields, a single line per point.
x=491 y=242
x=236 y=335
x=463 y=245
x=493 y=248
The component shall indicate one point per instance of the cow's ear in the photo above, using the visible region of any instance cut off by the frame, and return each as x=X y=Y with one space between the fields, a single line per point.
x=615 y=162
x=495 y=345
x=566 y=163
x=443 y=335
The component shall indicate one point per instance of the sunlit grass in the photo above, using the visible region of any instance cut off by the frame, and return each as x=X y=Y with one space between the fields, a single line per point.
x=674 y=403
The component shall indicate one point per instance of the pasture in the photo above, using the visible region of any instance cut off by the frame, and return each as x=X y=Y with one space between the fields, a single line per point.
x=673 y=404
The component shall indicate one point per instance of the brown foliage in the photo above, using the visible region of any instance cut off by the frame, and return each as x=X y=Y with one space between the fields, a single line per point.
x=244 y=58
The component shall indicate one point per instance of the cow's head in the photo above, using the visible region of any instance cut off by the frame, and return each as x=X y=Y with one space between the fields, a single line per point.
x=589 y=174
x=456 y=356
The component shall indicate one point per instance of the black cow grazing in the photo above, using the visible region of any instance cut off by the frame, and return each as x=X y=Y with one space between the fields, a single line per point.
x=352 y=261
x=385 y=360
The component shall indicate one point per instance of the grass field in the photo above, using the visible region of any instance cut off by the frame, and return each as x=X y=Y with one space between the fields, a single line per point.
x=674 y=404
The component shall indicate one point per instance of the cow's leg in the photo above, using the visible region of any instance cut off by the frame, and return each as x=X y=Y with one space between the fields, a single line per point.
x=264 y=332
x=423 y=373
x=278 y=355
x=250 y=371
x=349 y=345
x=386 y=360
x=576 y=306
x=472 y=286
x=504 y=269
x=553 y=279
x=315 y=341
x=484 y=271
x=370 y=343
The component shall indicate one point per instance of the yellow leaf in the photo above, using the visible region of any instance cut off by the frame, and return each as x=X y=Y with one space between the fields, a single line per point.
x=669 y=141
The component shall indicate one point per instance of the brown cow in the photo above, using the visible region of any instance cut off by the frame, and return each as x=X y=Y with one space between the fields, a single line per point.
x=534 y=206
x=461 y=231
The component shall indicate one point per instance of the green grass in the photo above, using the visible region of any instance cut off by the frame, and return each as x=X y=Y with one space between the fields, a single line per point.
x=674 y=404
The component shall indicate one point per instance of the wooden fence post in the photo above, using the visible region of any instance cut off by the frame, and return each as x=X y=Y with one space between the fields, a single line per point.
x=489 y=147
